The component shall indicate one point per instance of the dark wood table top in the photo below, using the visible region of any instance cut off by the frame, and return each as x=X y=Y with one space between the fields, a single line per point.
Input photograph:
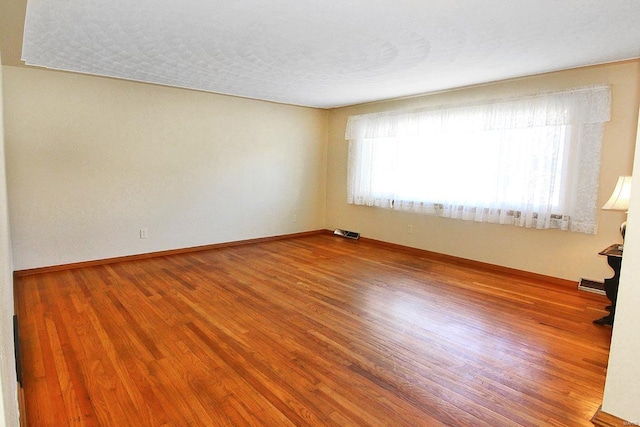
x=613 y=250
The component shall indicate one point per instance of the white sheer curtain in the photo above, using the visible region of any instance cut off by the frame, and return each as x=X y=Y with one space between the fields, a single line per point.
x=532 y=161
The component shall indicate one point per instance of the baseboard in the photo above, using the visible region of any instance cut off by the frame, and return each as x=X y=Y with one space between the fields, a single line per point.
x=475 y=264
x=21 y=407
x=602 y=419
x=421 y=252
x=105 y=261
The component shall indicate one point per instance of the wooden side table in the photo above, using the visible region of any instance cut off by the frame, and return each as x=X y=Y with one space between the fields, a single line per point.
x=614 y=259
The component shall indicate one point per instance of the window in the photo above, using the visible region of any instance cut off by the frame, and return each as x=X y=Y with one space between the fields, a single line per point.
x=532 y=162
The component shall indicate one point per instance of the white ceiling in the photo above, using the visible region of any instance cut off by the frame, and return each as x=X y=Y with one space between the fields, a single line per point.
x=327 y=54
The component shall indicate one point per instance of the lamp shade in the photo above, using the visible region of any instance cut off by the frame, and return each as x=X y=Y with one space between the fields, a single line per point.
x=619 y=200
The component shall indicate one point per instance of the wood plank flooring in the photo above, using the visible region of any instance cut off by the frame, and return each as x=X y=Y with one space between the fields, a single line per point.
x=311 y=331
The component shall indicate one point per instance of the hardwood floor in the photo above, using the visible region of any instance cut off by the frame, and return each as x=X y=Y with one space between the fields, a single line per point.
x=311 y=331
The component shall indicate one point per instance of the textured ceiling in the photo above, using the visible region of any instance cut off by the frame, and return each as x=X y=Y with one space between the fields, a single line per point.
x=325 y=54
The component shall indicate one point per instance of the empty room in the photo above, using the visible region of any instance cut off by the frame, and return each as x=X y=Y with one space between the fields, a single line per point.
x=319 y=214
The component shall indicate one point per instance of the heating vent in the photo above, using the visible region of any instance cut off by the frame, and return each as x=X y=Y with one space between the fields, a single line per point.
x=348 y=234
x=16 y=346
x=591 y=286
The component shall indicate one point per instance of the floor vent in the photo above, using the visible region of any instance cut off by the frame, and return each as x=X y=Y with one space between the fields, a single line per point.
x=591 y=286
x=348 y=234
x=16 y=346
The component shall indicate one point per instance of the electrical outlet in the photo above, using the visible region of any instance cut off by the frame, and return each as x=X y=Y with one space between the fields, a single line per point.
x=410 y=229
x=294 y=218
x=144 y=233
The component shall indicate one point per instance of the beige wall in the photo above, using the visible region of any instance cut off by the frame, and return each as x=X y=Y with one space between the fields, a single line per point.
x=8 y=384
x=549 y=252
x=91 y=161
